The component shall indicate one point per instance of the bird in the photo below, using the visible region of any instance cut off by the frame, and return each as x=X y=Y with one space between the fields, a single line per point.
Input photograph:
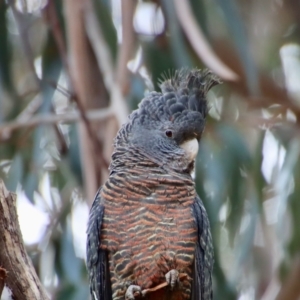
x=148 y=234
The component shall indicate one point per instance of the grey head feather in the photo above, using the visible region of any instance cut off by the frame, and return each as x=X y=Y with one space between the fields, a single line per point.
x=165 y=120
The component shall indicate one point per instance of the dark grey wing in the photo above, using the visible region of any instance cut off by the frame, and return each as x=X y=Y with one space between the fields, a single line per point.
x=204 y=256
x=97 y=263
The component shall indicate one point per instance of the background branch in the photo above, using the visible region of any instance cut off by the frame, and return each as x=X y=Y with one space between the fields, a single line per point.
x=291 y=289
x=21 y=278
x=42 y=119
x=3 y=275
x=90 y=91
x=127 y=46
x=199 y=42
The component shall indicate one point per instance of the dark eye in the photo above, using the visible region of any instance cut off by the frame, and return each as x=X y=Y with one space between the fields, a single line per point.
x=169 y=133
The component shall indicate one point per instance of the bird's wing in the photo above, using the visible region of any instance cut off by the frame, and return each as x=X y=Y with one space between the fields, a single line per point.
x=204 y=259
x=97 y=263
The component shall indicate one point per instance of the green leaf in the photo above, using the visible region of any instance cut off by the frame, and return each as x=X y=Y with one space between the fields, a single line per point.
x=200 y=14
x=158 y=58
x=177 y=43
x=15 y=173
x=285 y=180
x=108 y=29
x=74 y=157
x=31 y=185
x=51 y=69
x=294 y=245
x=5 y=49
x=224 y=289
x=258 y=178
x=73 y=285
x=238 y=34
x=70 y=263
x=237 y=161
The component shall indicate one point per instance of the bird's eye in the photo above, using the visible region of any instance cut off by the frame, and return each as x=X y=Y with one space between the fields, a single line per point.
x=169 y=133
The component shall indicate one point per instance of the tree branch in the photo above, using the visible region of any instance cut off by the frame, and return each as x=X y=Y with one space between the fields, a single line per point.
x=88 y=86
x=291 y=288
x=199 y=43
x=3 y=275
x=21 y=278
x=105 y=63
x=127 y=46
x=92 y=115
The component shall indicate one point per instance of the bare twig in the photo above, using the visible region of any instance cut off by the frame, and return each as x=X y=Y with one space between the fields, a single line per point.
x=160 y=286
x=52 y=19
x=164 y=284
x=21 y=278
x=127 y=45
x=25 y=42
x=199 y=42
x=30 y=109
x=105 y=64
x=42 y=119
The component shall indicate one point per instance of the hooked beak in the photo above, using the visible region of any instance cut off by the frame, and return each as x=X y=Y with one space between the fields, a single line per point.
x=191 y=148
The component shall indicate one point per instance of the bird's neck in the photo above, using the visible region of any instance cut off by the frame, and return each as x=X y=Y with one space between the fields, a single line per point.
x=138 y=180
x=134 y=163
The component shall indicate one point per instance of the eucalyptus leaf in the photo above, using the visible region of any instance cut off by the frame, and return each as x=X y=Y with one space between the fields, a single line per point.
x=238 y=34
x=5 y=49
x=15 y=174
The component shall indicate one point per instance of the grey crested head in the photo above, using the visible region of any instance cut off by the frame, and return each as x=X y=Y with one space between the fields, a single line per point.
x=167 y=126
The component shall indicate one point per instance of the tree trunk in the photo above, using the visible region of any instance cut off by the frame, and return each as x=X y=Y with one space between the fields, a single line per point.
x=17 y=271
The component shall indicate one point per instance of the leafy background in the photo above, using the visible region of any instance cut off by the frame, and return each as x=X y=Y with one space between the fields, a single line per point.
x=71 y=71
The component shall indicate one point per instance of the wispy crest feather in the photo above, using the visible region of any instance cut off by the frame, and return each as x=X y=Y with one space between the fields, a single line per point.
x=195 y=79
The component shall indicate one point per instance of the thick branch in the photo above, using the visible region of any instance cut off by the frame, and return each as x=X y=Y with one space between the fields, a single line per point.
x=21 y=278
x=291 y=288
x=88 y=86
x=105 y=63
x=3 y=275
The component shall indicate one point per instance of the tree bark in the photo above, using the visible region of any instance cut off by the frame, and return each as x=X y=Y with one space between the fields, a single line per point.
x=3 y=275
x=19 y=274
x=290 y=289
x=89 y=87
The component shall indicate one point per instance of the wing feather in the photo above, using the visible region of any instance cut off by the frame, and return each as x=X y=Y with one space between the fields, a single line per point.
x=202 y=277
x=97 y=263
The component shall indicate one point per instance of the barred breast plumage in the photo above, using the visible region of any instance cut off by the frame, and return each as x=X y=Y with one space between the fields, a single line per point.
x=148 y=227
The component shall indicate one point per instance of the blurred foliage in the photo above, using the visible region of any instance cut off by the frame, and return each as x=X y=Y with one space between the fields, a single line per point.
x=248 y=167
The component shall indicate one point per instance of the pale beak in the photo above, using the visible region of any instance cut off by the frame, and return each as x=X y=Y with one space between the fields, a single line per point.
x=191 y=148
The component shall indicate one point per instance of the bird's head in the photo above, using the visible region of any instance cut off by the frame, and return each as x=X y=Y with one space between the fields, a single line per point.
x=167 y=126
